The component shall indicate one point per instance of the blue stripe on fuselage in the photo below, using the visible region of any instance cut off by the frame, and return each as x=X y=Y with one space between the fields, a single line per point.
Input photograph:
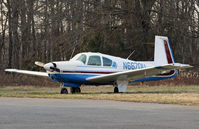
x=73 y=78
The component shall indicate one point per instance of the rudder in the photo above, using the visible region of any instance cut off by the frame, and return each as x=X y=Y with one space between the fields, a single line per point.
x=162 y=53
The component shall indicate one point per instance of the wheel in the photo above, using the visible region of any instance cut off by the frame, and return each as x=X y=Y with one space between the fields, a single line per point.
x=74 y=90
x=64 y=91
x=78 y=90
x=116 y=90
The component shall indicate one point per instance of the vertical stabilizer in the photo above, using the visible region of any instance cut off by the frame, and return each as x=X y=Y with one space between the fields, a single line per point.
x=163 y=54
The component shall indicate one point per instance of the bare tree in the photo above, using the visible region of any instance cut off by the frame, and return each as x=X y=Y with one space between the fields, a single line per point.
x=49 y=30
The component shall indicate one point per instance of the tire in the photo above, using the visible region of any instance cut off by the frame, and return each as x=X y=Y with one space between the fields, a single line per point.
x=64 y=91
x=72 y=90
x=75 y=90
x=78 y=90
x=116 y=90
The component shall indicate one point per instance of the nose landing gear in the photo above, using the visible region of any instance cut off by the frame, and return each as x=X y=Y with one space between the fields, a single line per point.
x=64 y=91
x=75 y=90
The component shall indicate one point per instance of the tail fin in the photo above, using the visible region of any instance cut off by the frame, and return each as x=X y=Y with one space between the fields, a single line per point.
x=163 y=54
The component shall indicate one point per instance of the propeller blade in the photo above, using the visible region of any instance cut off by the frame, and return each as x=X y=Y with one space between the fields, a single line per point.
x=39 y=63
x=55 y=65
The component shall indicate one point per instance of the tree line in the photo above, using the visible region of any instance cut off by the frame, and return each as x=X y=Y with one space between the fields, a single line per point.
x=49 y=30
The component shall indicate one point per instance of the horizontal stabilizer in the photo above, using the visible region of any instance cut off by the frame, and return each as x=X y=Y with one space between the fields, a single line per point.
x=182 y=66
x=44 y=74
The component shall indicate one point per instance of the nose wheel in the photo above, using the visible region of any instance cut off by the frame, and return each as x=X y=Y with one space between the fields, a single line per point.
x=64 y=91
x=75 y=90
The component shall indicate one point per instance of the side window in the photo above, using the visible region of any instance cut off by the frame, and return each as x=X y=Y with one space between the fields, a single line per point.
x=94 y=60
x=106 y=61
x=82 y=58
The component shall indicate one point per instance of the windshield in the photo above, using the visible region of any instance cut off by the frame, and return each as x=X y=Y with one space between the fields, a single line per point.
x=82 y=58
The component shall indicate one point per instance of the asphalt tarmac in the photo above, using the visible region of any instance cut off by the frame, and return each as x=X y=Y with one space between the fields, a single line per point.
x=33 y=113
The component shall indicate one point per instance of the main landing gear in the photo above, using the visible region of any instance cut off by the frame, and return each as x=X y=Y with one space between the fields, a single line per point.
x=120 y=86
x=116 y=90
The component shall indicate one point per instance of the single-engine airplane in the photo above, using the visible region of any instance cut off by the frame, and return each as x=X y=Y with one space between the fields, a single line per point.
x=90 y=68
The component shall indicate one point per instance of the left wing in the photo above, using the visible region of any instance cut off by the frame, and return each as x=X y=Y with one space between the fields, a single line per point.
x=136 y=74
x=44 y=74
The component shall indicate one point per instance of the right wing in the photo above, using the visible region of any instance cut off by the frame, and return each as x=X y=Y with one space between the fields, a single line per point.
x=44 y=74
x=132 y=75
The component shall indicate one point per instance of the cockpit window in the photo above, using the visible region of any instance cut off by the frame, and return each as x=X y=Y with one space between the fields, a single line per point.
x=94 y=60
x=106 y=61
x=82 y=58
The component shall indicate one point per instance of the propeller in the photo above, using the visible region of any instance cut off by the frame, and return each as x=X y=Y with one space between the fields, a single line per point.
x=49 y=66
x=54 y=68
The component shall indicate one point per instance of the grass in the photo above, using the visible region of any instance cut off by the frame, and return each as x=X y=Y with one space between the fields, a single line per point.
x=183 y=95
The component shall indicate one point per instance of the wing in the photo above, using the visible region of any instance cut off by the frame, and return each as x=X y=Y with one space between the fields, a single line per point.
x=44 y=74
x=136 y=74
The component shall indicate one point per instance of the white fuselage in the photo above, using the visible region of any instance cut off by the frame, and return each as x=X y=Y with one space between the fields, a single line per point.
x=91 y=64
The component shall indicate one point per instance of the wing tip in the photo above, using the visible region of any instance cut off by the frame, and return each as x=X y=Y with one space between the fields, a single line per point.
x=10 y=70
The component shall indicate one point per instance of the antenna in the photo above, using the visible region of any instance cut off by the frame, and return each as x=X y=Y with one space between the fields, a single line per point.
x=130 y=54
x=72 y=53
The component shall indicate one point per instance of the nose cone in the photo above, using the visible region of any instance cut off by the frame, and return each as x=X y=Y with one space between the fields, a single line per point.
x=47 y=66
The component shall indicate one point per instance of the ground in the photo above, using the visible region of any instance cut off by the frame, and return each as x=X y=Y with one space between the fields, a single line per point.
x=38 y=113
